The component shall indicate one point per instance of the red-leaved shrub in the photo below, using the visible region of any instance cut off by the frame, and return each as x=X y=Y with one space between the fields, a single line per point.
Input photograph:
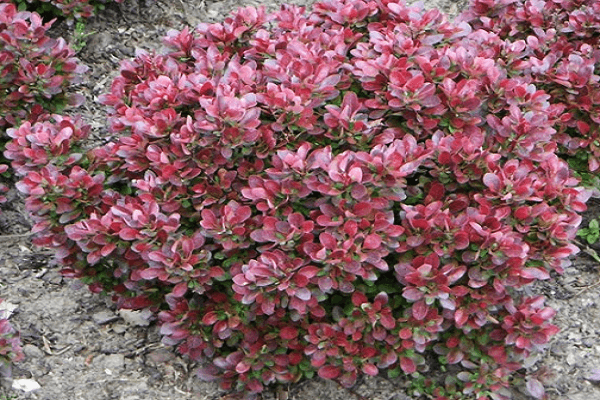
x=337 y=193
x=35 y=70
x=35 y=73
x=67 y=8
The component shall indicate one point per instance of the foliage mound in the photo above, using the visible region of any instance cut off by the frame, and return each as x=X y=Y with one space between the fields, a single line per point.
x=347 y=191
x=35 y=70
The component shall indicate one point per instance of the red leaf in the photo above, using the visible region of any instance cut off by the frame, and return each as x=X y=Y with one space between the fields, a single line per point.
x=128 y=234
x=492 y=181
x=407 y=365
x=210 y=318
x=523 y=212
x=107 y=249
x=412 y=294
x=329 y=372
x=150 y=273
x=534 y=273
x=370 y=369
x=361 y=209
x=359 y=298
x=242 y=367
x=180 y=289
x=420 y=310
x=460 y=317
x=387 y=321
x=288 y=333
x=372 y=241
x=328 y=241
x=415 y=83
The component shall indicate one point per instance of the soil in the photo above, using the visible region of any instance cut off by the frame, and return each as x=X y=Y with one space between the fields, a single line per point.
x=78 y=347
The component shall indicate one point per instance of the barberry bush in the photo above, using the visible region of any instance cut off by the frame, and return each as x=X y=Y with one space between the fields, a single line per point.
x=71 y=9
x=353 y=190
x=35 y=70
x=35 y=74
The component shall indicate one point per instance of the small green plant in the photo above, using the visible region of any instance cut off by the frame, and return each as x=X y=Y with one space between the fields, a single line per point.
x=80 y=36
x=592 y=232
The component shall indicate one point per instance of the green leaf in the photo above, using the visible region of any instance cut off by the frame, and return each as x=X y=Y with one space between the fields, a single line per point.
x=394 y=373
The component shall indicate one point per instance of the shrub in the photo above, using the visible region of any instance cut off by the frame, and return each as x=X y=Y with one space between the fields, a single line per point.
x=35 y=70
x=10 y=349
x=70 y=9
x=336 y=193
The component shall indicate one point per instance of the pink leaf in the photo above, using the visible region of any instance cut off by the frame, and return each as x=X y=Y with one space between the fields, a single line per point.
x=492 y=182
x=180 y=289
x=210 y=318
x=372 y=241
x=329 y=372
x=420 y=310
x=128 y=234
x=535 y=273
x=535 y=388
x=328 y=241
x=107 y=249
x=370 y=369
x=407 y=365
x=288 y=333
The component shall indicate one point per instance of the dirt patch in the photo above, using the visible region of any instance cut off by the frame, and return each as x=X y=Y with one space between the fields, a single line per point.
x=78 y=347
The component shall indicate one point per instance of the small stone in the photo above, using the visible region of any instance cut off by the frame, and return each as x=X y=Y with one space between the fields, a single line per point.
x=114 y=362
x=160 y=356
x=104 y=317
x=53 y=277
x=26 y=385
x=32 y=351
x=119 y=328
x=588 y=342
x=136 y=318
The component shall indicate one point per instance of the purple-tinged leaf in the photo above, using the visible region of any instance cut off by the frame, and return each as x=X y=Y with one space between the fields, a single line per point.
x=535 y=388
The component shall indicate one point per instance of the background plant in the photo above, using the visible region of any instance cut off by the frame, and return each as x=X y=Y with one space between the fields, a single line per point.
x=36 y=70
x=35 y=74
x=70 y=9
x=592 y=233
x=336 y=193
x=10 y=346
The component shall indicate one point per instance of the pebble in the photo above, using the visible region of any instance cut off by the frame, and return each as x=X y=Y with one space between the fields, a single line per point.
x=114 y=362
x=104 y=317
x=136 y=318
x=589 y=342
x=32 y=351
x=160 y=356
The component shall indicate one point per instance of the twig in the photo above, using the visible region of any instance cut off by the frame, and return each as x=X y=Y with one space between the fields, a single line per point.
x=112 y=380
x=585 y=289
x=588 y=250
x=16 y=236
